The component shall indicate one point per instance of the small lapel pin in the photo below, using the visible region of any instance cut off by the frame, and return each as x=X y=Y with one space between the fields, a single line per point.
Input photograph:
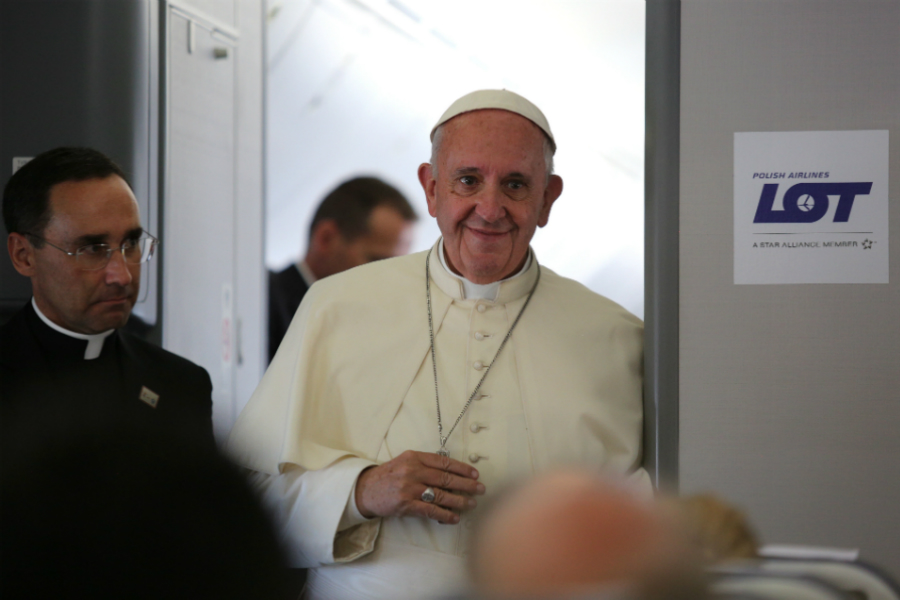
x=149 y=396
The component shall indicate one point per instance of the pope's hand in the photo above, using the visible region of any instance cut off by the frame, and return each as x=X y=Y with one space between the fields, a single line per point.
x=395 y=488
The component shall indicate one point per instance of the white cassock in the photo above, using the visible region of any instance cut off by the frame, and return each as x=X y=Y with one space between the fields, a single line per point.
x=352 y=385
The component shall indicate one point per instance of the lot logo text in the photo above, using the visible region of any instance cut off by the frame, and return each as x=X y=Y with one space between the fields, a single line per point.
x=807 y=202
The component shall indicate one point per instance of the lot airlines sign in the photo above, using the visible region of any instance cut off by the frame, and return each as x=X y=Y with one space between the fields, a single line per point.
x=811 y=207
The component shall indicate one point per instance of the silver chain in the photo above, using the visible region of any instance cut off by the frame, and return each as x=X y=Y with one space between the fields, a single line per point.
x=443 y=439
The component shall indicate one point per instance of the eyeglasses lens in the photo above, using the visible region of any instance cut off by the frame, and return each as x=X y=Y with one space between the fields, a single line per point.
x=97 y=256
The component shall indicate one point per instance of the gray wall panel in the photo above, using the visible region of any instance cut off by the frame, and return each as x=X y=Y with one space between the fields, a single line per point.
x=661 y=242
x=788 y=393
x=80 y=73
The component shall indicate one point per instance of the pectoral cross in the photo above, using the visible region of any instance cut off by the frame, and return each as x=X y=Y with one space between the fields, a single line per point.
x=442 y=451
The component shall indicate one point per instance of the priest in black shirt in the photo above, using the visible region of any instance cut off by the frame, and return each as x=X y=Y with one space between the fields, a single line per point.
x=75 y=231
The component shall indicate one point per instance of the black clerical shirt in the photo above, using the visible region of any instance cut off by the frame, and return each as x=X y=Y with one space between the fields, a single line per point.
x=47 y=385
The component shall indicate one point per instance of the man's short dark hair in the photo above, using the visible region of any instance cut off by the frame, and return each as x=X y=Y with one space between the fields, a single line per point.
x=26 y=198
x=350 y=204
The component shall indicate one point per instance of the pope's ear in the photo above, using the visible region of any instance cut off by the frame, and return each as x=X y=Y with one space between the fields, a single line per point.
x=426 y=178
x=551 y=193
x=21 y=252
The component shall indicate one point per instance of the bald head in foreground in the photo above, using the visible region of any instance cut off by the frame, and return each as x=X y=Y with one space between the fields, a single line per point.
x=407 y=389
x=570 y=533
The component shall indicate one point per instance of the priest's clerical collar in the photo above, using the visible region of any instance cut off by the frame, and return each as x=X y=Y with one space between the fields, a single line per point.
x=476 y=291
x=94 y=342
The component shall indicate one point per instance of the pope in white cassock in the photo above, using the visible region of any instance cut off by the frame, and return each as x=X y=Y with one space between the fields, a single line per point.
x=407 y=389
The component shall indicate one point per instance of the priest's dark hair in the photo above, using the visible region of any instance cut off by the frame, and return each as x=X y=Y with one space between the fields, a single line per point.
x=350 y=204
x=26 y=198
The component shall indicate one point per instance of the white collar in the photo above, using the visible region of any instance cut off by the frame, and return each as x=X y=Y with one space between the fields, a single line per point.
x=306 y=273
x=477 y=291
x=94 y=341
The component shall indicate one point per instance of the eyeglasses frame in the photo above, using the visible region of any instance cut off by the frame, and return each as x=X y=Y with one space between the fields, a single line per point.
x=109 y=249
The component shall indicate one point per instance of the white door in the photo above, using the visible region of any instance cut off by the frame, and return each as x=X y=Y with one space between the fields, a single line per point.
x=199 y=241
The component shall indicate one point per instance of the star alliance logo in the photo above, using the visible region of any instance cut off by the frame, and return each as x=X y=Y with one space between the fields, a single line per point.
x=867 y=244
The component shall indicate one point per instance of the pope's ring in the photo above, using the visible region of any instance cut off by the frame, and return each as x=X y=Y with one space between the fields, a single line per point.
x=428 y=495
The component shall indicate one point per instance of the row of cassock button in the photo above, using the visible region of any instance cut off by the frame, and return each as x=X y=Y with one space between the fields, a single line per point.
x=479 y=365
x=480 y=336
x=475 y=428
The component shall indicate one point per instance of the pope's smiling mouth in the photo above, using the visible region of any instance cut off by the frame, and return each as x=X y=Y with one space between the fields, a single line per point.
x=488 y=234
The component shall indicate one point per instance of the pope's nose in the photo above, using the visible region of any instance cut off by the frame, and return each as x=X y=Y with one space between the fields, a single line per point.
x=490 y=205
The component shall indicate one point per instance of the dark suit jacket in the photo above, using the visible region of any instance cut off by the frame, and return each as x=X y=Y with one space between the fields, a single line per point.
x=286 y=290
x=37 y=386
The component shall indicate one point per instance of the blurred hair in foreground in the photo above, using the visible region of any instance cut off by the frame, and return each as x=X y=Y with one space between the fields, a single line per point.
x=572 y=533
x=718 y=530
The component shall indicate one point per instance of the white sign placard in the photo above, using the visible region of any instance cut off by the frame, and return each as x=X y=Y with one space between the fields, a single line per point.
x=811 y=207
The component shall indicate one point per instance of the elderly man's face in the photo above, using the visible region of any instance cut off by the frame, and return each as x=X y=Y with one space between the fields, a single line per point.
x=85 y=212
x=490 y=193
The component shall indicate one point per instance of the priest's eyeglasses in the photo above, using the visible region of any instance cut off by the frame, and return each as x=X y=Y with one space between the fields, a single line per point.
x=94 y=257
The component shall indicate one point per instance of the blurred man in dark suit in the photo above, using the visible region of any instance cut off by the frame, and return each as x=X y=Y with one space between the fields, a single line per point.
x=75 y=231
x=360 y=221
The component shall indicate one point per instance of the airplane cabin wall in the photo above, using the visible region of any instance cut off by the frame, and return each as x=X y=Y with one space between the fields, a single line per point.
x=62 y=83
x=789 y=400
x=214 y=280
x=180 y=108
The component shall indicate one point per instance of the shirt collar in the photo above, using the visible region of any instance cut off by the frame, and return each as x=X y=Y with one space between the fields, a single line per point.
x=501 y=292
x=306 y=273
x=94 y=341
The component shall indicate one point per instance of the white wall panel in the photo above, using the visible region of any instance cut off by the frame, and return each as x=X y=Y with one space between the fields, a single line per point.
x=199 y=210
x=213 y=207
x=250 y=274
